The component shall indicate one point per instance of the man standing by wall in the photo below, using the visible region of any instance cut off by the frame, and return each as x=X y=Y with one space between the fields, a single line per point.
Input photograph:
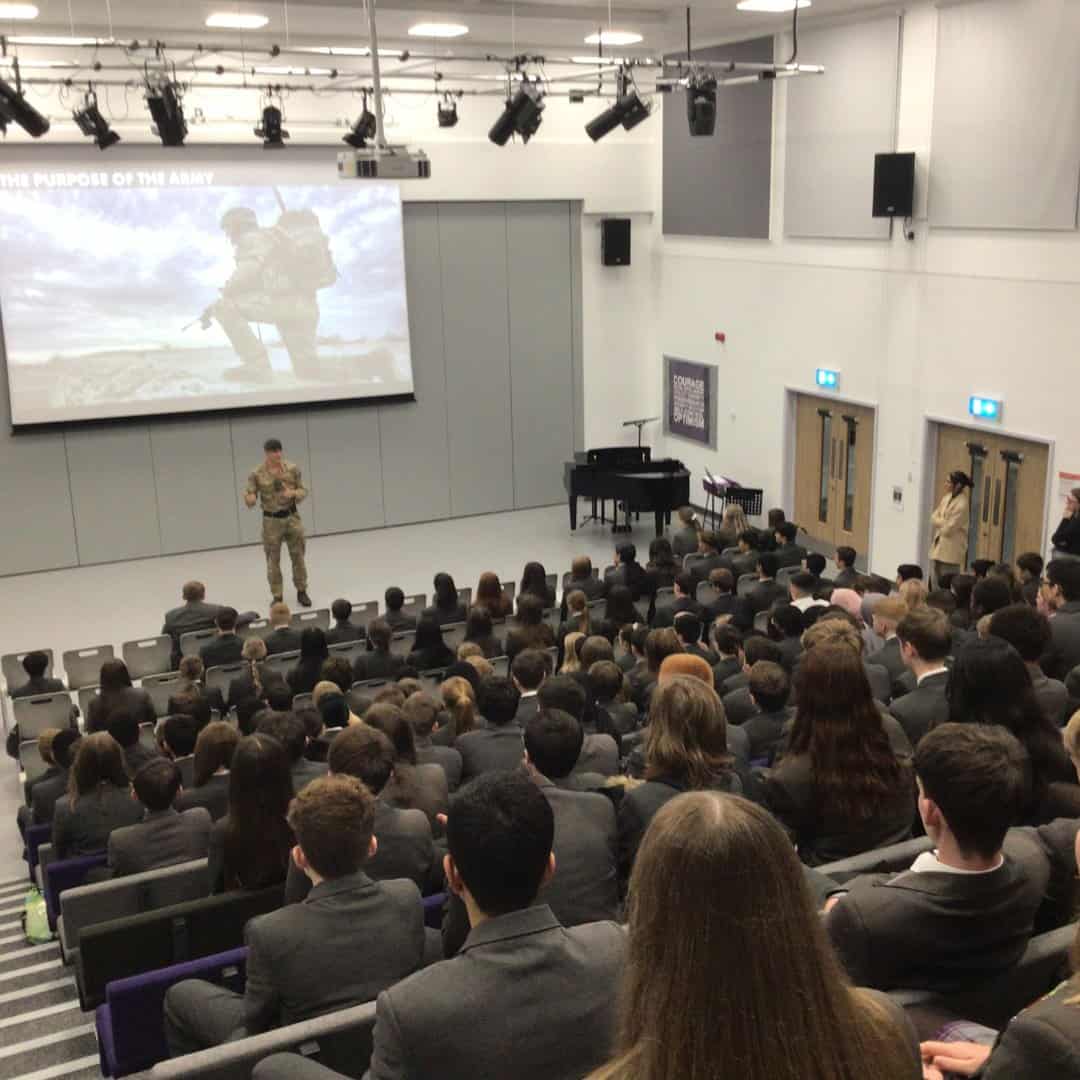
x=276 y=484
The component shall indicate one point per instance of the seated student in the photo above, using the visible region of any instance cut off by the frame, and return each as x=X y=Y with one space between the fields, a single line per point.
x=344 y=629
x=249 y=847
x=685 y=749
x=124 y=729
x=692 y=955
x=788 y=552
x=413 y=786
x=459 y=709
x=735 y=693
x=710 y=549
x=725 y=605
x=1041 y=1042
x=534 y=583
x=840 y=788
x=282 y=636
x=500 y=834
x=117 y=692
x=815 y=564
x=35 y=664
x=684 y=540
x=480 y=631
x=193 y=681
x=445 y=604
x=249 y=683
x=24 y=816
x=641 y=682
x=767 y=591
x=378 y=662
x=594 y=649
x=847 y=576
x=98 y=800
x=964 y=912
x=628 y=571
x=289 y=730
x=491 y=598
x=394 y=616
x=750 y=545
x=770 y=689
x=497 y=746
x=165 y=836
x=600 y=754
x=49 y=788
x=194 y=614
x=178 y=736
x=529 y=630
x=348 y=941
x=421 y=713
x=581 y=577
x=801 y=589
x=687 y=626
x=214 y=749
x=528 y=672
x=786 y=626
x=837 y=625
x=606 y=681
x=307 y=670
x=908 y=572
x=405 y=848
x=684 y=600
x=227 y=646
x=887 y=615
x=925 y=640
x=728 y=644
x=1028 y=632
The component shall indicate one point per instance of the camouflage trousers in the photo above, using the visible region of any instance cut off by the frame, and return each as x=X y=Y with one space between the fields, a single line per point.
x=290 y=531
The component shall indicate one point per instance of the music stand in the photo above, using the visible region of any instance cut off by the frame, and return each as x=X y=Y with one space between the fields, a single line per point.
x=639 y=424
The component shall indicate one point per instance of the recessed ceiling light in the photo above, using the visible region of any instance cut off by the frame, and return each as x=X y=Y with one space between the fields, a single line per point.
x=614 y=37
x=18 y=11
x=438 y=30
x=345 y=50
x=771 y=5
x=235 y=20
x=604 y=61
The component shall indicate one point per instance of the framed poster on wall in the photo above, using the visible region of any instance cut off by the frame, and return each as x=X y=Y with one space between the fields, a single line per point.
x=690 y=401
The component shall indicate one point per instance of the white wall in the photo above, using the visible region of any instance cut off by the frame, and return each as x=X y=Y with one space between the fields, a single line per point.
x=914 y=327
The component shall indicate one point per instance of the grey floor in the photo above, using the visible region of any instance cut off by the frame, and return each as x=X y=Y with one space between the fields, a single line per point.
x=97 y=605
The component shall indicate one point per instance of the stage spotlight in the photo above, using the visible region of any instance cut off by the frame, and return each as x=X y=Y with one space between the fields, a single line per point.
x=270 y=130
x=701 y=107
x=167 y=111
x=521 y=115
x=92 y=123
x=448 y=113
x=14 y=107
x=364 y=129
x=629 y=111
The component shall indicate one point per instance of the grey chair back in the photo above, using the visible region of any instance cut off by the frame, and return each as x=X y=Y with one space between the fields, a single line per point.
x=83 y=666
x=364 y=611
x=509 y=589
x=255 y=628
x=553 y=655
x=414 y=604
x=693 y=557
x=86 y=694
x=551 y=617
x=761 y=621
x=147 y=737
x=302 y=701
x=569 y=574
x=730 y=552
x=552 y=580
x=349 y=649
x=161 y=688
x=219 y=677
x=786 y=573
x=465 y=596
x=35 y=714
x=665 y=596
x=31 y=762
x=608 y=570
x=341 y=1041
x=371 y=684
x=282 y=662
x=319 y=617
x=131 y=895
x=500 y=666
x=431 y=681
x=11 y=666
x=453 y=634
x=148 y=656
x=401 y=644
x=706 y=593
x=193 y=640
x=745 y=584
x=895 y=857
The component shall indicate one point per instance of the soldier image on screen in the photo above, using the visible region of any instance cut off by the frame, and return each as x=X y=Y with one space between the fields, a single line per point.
x=279 y=271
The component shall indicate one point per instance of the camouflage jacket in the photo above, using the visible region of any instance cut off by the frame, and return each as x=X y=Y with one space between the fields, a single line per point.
x=269 y=487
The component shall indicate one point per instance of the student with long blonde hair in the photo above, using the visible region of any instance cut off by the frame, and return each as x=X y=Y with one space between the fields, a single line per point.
x=459 y=700
x=728 y=971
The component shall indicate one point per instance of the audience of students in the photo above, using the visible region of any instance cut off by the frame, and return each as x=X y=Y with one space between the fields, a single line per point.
x=214 y=749
x=117 y=692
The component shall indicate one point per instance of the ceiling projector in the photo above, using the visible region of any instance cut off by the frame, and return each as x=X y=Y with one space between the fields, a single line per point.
x=384 y=163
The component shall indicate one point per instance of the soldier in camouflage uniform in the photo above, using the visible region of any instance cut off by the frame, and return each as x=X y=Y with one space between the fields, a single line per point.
x=277 y=486
x=262 y=290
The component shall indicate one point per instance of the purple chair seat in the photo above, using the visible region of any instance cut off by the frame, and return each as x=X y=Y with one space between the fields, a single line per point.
x=36 y=835
x=66 y=874
x=130 y=1025
x=433 y=910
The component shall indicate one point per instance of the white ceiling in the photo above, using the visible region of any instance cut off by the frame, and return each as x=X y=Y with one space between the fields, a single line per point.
x=500 y=25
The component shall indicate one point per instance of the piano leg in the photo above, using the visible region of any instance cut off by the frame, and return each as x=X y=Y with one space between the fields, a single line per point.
x=659 y=522
x=573 y=512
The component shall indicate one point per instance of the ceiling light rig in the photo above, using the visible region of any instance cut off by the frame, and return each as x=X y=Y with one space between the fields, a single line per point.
x=628 y=111
x=90 y=122
x=165 y=100
x=269 y=128
x=363 y=131
x=447 y=113
x=15 y=108
x=522 y=114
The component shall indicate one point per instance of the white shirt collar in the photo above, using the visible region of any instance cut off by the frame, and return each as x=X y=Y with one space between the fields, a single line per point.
x=929 y=863
x=943 y=670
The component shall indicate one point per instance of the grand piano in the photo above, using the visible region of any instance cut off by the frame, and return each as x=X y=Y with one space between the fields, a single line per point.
x=628 y=475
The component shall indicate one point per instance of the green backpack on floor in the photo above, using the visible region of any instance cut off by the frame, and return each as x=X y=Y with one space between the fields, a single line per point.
x=35 y=918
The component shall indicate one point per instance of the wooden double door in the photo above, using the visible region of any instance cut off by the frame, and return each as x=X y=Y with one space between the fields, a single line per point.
x=1008 y=500
x=834 y=466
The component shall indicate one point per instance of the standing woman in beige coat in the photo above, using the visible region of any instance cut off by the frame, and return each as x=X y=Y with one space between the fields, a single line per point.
x=948 y=553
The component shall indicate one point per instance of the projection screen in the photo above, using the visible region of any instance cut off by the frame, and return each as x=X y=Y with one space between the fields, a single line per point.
x=145 y=290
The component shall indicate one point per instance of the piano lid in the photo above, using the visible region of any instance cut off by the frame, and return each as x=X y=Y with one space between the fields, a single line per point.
x=617 y=457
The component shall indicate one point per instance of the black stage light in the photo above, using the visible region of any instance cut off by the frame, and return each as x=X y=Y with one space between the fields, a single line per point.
x=365 y=128
x=448 y=113
x=270 y=130
x=629 y=110
x=14 y=107
x=167 y=111
x=701 y=107
x=92 y=123
x=521 y=115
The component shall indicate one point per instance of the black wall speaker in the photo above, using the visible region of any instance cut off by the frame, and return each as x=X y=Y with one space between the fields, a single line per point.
x=615 y=241
x=894 y=185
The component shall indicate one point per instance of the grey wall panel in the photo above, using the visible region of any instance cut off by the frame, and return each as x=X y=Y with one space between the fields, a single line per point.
x=346 y=468
x=472 y=245
x=836 y=123
x=198 y=504
x=578 y=325
x=719 y=185
x=1006 y=129
x=248 y=435
x=541 y=349
x=113 y=493
x=413 y=437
